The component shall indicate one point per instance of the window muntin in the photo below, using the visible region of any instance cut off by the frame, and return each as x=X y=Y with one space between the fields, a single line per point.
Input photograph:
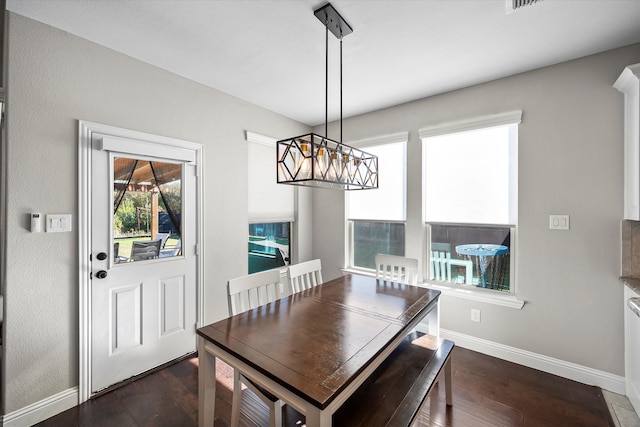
x=269 y=245
x=376 y=217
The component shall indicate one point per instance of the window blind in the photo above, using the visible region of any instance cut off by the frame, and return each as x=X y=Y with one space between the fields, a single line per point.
x=268 y=201
x=388 y=202
x=471 y=176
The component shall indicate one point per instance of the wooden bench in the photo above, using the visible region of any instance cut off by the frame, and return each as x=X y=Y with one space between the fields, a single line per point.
x=393 y=395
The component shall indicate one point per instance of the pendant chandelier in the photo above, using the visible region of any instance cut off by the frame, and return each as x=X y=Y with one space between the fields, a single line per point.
x=317 y=161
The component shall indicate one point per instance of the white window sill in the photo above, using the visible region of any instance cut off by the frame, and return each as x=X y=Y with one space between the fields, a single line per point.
x=474 y=294
x=477 y=294
x=360 y=271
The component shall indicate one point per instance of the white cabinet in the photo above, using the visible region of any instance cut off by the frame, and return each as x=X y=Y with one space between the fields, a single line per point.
x=629 y=84
x=632 y=348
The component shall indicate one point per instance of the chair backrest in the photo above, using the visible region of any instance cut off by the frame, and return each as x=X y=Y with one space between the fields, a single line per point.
x=253 y=290
x=305 y=275
x=171 y=251
x=163 y=237
x=440 y=267
x=145 y=249
x=397 y=269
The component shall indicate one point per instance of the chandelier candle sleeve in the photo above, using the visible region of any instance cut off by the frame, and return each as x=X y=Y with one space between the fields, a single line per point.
x=317 y=161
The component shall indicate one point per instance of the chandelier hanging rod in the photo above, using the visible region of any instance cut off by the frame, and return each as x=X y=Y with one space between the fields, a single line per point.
x=335 y=23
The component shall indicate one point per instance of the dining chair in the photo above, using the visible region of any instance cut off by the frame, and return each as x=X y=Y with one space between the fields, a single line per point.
x=397 y=269
x=246 y=293
x=305 y=275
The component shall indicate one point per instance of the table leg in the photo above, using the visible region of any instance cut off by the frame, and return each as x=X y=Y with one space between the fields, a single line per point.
x=433 y=320
x=206 y=385
x=317 y=418
x=447 y=382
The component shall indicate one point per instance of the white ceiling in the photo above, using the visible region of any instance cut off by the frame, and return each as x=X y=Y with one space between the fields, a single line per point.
x=272 y=53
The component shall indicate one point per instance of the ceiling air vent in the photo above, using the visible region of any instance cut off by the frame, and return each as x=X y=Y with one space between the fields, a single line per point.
x=513 y=5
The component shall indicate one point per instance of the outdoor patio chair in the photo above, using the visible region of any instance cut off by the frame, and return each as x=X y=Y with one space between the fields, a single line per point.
x=146 y=249
x=163 y=238
x=169 y=252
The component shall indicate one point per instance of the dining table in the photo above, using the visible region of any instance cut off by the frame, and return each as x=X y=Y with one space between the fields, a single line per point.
x=314 y=348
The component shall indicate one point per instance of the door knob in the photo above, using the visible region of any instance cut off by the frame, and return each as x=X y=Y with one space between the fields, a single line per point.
x=102 y=256
x=101 y=274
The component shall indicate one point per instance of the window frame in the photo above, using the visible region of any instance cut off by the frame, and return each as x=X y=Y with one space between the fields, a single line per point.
x=253 y=218
x=400 y=137
x=461 y=290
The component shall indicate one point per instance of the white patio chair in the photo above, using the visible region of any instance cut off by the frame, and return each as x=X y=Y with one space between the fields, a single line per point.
x=440 y=267
x=397 y=269
x=163 y=238
x=246 y=293
x=305 y=275
x=171 y=251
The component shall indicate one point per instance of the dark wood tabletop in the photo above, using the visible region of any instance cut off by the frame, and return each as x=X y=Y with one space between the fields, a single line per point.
x=314 y=343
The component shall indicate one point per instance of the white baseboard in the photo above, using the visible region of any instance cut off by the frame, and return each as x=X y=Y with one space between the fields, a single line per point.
x=42 y=410
x=634 y=396
x=572 y=371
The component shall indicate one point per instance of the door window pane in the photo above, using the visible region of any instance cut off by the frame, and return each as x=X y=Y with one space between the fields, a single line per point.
x=147 y=206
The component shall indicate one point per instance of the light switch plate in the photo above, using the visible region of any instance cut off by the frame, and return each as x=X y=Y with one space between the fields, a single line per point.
x=58 y=223
x=558 y=222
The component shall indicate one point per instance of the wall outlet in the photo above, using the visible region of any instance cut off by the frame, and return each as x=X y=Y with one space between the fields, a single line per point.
x=475 y=315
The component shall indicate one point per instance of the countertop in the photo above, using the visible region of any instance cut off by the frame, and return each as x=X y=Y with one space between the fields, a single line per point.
x=632 y=282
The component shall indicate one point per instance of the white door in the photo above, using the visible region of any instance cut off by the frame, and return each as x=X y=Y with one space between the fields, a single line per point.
x=143 y=270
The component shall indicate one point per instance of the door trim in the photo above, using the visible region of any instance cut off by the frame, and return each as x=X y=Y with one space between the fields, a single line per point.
x=85 y=132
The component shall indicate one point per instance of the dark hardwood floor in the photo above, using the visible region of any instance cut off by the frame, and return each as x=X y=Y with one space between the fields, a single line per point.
x=486 y=392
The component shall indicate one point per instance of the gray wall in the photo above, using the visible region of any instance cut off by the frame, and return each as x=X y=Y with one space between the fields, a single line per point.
x=570 y=162
x=54 y=80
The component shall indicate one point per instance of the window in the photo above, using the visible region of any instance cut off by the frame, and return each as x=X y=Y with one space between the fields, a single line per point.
x=376 y=217
x=470 y=172
x=270 y=206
